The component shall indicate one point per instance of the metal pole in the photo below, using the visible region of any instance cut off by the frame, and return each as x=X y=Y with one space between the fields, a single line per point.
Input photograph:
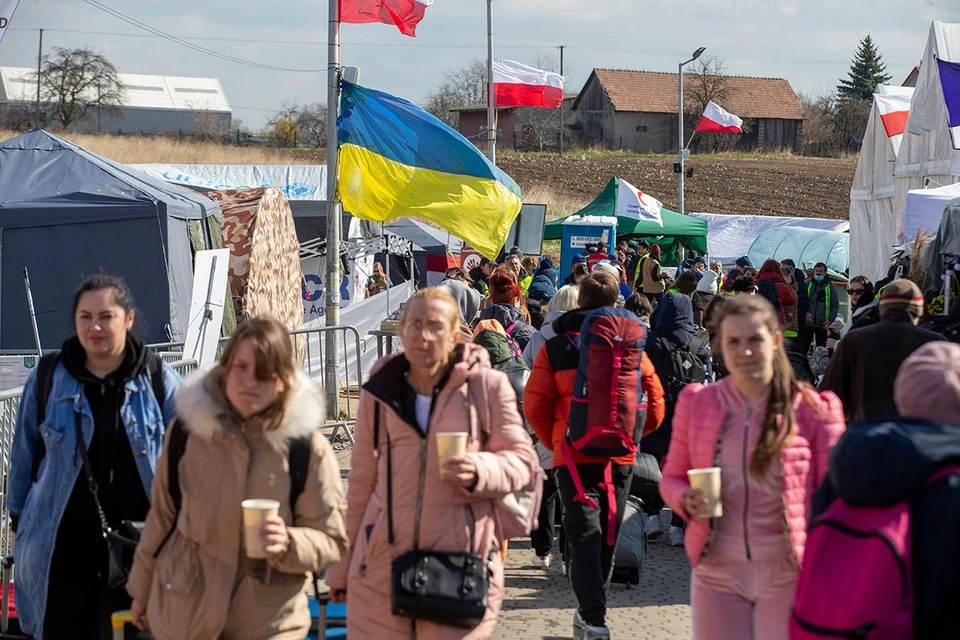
x=33 y=312
x=680 y=139
x=39 y=71
x=491 y=107
x=332 y=286
x=561 y=104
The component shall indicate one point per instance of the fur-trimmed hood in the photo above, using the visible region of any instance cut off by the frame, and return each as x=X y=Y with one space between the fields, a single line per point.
x=204 y=410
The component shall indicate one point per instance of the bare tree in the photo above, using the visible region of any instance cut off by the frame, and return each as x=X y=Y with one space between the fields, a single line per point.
x=460 y=88
x=312 y=123
x=207 y=125
x=79 y=83
x=833 y=125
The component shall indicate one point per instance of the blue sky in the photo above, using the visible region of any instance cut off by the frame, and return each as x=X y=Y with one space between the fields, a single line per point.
x=808 y=42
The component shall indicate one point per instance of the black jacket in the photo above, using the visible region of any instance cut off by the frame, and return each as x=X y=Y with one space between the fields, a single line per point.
x=509 y=315
x=865 y=364
x=878 y=464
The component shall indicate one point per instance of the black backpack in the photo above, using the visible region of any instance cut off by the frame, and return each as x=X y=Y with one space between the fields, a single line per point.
x=678 y=365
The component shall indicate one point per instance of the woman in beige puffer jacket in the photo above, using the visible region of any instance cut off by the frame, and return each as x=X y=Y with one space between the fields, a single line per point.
x=240 y=419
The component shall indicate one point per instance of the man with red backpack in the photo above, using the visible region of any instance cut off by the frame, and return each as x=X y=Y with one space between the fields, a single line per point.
x=593 y=488
x=883 y=549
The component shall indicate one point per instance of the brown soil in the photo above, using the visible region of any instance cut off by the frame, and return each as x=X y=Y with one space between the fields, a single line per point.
x=777 y=185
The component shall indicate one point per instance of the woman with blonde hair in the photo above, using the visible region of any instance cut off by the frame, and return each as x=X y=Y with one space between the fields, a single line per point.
x=404 y=505
x=246 y=429
x=771 y=438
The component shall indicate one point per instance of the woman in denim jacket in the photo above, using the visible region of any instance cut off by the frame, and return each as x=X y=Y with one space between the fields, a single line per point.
x=101 y=383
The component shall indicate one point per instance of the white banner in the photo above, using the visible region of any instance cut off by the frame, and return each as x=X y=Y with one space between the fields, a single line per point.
x=633 y=203
x=298 y=182
x=352 y=285
x=7 y=9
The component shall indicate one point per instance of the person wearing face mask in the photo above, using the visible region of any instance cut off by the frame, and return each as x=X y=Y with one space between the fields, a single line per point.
x=823 y=306
x=106 y=392
x=245 y=430
x=771 y=436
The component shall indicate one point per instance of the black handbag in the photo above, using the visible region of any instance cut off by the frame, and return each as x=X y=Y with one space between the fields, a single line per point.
x=120 y=545
x=447 y=588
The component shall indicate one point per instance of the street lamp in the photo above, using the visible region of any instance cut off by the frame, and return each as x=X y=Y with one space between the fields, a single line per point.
x=682 y=154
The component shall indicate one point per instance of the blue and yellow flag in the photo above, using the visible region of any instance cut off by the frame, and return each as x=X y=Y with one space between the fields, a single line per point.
x=397 y=160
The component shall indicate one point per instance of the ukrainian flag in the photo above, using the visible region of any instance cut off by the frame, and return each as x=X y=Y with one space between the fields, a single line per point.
x=397 y=160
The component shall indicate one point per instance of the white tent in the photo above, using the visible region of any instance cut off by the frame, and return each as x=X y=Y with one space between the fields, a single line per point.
x=924 y=209
x=729 y=237
x=873 y=226
x=876 y=222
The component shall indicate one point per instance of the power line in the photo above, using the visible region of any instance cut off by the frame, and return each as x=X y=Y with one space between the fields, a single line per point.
x=176 y=40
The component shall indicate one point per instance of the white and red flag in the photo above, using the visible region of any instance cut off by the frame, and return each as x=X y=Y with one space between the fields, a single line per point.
x=517 y=85
x=716 y=120
x=633 y=203
x=893 y=110
x=404 y=14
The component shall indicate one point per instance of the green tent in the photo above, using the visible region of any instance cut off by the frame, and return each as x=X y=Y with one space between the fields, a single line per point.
x=678 y=231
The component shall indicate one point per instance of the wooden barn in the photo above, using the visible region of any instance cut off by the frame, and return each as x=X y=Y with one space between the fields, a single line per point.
x=637 y=111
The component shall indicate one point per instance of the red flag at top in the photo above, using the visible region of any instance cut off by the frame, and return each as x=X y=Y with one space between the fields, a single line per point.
x=405 y=14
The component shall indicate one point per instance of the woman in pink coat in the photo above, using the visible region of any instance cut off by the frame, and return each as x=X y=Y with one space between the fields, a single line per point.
x=436 y=385
x=771 y=437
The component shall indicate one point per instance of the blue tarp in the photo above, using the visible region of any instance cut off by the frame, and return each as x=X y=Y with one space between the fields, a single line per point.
x=66 y=213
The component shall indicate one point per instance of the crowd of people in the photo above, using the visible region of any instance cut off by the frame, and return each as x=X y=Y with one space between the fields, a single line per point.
x=518 y=400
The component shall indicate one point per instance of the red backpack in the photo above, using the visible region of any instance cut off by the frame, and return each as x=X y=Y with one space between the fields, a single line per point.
x=857 y=577
x=606 y=415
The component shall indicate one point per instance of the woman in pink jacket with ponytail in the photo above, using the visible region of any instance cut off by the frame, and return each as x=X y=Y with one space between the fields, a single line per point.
x=771 y=436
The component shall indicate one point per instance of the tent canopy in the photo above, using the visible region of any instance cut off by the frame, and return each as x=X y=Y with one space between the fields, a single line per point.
x=677 y=231
x=945 y=245
x=925 y=209
x=430 y=250
x=66 y=213
x=806 y=247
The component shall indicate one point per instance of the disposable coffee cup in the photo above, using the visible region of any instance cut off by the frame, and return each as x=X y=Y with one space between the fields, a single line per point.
x=450 y=445
x=254 y=514
x=708 y=481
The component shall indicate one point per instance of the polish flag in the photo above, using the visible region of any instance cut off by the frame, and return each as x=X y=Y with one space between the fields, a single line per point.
x=633 y=203
x=405 y=14
x=894 y=110
x=716 y=120
x=517 y=85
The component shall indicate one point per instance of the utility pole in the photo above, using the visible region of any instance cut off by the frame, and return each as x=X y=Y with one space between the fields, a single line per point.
x=561 y=103
x=39 y=71
x=332 y=285
x=491 y=107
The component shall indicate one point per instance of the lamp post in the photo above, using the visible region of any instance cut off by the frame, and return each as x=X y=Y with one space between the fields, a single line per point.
x=681 y=152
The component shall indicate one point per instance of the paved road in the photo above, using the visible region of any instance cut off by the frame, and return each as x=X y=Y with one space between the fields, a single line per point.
x=539 y=603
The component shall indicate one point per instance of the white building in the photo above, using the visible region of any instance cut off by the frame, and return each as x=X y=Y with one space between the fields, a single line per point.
x=151 y=104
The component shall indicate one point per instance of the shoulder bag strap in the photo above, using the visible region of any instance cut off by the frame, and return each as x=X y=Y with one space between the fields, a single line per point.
x=107 y=532
x=376 y=450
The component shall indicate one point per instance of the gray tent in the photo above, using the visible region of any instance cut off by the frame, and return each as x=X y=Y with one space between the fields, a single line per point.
x=946 y=247
x=66 y=213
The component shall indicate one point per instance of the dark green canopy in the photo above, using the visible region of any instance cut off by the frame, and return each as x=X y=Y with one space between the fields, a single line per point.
x=678 y=231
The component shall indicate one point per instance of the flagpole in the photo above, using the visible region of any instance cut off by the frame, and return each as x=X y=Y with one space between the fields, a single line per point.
x=332 y=284
x=491 y=107
x=691 y=139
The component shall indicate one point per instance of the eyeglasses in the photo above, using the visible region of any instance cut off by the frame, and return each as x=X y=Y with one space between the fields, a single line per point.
x=430 y=330
x=855 y=292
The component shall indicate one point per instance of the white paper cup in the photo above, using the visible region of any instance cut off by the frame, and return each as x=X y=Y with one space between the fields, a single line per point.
x=254 y=513
x=708 y=481
x=450 y=445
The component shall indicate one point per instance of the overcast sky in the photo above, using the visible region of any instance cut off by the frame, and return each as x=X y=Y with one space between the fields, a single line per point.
x=808 y=42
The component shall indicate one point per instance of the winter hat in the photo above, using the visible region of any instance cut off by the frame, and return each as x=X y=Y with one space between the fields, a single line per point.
x=515 y=251
x=901 y=295
x=928 y=385
x=708 y=283
x=577 y=259
x=744 y=262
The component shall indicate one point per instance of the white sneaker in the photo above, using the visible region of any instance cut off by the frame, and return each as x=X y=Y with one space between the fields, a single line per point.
x=596 y=633
x=579 y=626
x=654 y=527
x=676 y=536
x=540 y=562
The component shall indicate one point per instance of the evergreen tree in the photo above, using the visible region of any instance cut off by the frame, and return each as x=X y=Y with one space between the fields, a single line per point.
x=866 y=72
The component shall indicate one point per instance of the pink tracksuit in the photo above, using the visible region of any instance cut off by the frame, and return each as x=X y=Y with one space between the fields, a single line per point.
x=746 y=563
